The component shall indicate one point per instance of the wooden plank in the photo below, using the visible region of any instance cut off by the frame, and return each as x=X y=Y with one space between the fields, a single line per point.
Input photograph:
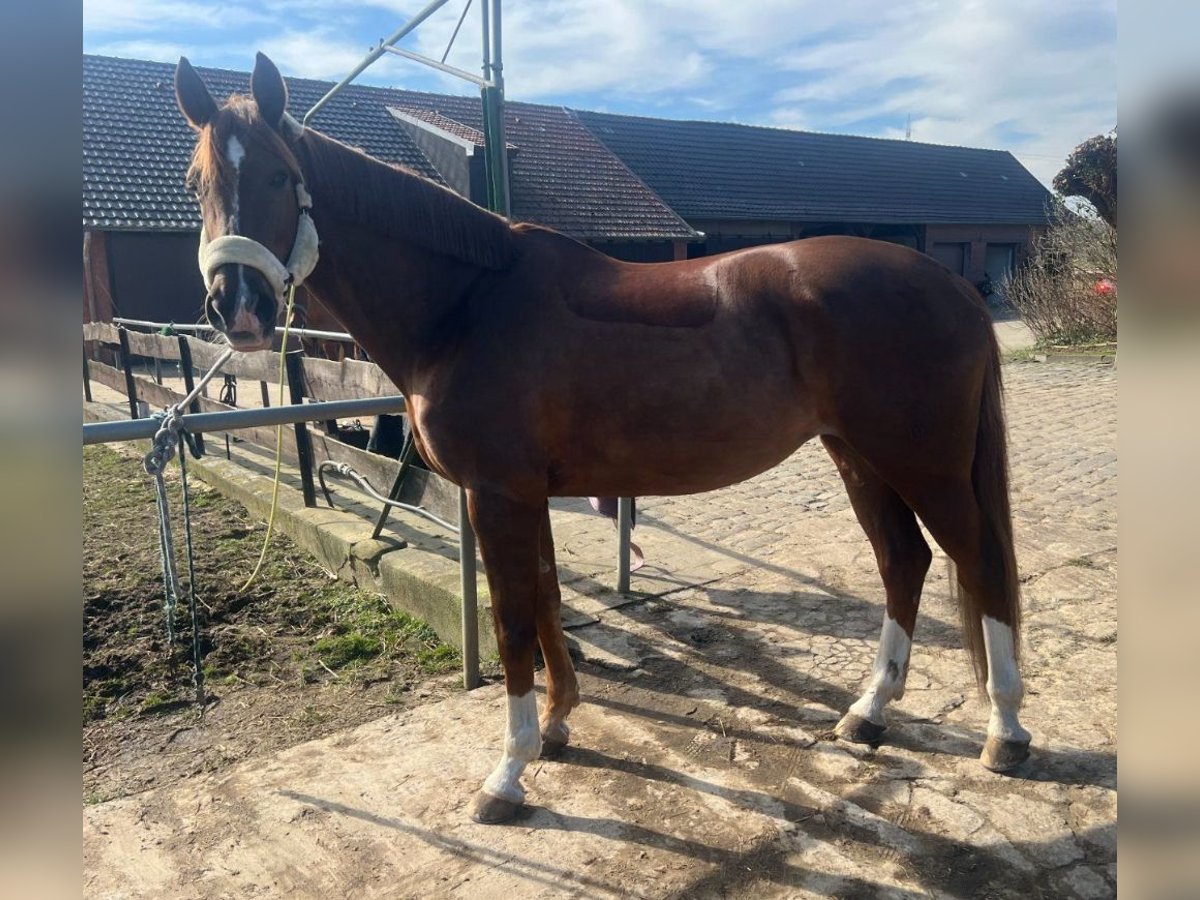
x=349 y=379
x=261 y=365
x=104 y=332
x=421 y=488
x=107 y=375
x=379 y=470
x=432 y=491
x=155 y=346
x=157 y=395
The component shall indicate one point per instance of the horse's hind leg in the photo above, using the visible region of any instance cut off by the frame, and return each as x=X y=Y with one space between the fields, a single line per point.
x=562 y=690
x=903 y=558
x=991 y=623
x=508 y=540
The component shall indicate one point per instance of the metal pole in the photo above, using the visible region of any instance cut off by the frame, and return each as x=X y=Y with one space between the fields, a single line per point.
x=189 y=382
x=406 y=457
x=434 y=64
x=295 y=332
x=470 y=597
x=231 y=420
x=416 y=20
x=304 y=448
x=87 y=378
x=624 y=527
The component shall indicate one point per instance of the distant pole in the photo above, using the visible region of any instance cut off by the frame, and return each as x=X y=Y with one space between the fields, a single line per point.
x=624 y=529
x=908 y=128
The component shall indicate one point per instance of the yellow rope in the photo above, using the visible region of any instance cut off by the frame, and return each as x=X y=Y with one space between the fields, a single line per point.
x=287 y=323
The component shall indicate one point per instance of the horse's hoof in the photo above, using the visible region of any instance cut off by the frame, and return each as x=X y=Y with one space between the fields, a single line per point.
x=489 y=810
x=1000 y=755
x=553 y=746
x=857 y=730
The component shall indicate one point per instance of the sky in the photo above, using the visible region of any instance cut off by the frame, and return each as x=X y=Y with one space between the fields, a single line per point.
x=1029 y=76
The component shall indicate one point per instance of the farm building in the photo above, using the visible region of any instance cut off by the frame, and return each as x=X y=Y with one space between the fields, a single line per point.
x=637 y=188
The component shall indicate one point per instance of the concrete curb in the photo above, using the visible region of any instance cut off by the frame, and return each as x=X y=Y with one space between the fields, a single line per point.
x=419 y=582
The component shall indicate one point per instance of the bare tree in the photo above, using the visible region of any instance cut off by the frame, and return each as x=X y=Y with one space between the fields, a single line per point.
x=1067 y=291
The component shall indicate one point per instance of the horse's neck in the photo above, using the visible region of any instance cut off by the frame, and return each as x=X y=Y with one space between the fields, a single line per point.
x=393 y=298
x=392 y=295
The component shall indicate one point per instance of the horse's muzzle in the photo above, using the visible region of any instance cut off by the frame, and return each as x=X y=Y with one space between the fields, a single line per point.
x=242 y=308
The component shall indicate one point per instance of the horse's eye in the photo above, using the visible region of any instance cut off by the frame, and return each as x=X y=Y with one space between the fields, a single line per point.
x=279 y=179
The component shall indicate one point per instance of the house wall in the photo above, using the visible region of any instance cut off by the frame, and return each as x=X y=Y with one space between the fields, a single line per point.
x=974 y=241
x=721 y=236
x=155 y=275
x=637 y=251
x=97 y=282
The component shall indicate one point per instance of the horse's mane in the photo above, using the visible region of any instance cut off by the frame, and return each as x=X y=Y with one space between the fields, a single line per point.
x=399 y=203
x=389 y=199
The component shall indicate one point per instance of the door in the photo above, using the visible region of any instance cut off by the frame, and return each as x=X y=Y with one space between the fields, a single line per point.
x=952 y=256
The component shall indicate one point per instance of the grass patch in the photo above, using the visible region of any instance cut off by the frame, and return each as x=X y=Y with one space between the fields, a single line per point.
x=294 y=625
x=343 y=649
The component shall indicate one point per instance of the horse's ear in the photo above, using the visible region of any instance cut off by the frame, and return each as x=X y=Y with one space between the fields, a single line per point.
x=195 y=102
x=270 y=93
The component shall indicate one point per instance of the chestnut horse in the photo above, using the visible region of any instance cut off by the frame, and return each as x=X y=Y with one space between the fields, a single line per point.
x=537 y=367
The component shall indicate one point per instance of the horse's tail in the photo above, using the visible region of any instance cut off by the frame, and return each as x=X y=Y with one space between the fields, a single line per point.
x=989 y=478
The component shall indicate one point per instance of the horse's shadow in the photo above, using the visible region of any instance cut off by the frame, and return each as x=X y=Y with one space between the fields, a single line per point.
x=793 y=696
x=941 y=864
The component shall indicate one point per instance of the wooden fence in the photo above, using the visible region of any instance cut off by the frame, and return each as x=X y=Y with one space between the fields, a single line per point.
x=306 y=378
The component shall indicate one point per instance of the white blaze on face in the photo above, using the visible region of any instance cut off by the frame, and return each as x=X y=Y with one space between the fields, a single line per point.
x=1004 y=682
x=522 y=745
x=235 y=153
x=888 y=675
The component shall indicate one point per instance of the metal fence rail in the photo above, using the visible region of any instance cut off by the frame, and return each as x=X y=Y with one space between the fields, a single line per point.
x=133 y=429
x=200 y=328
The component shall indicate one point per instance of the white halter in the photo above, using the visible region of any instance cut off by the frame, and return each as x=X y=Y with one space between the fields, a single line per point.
x=237 y=249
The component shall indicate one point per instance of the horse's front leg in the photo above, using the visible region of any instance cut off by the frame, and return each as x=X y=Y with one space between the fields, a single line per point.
x=508 y=533
x=562 y=688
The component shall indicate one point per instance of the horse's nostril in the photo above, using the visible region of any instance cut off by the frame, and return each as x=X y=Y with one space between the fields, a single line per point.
x=213 y=313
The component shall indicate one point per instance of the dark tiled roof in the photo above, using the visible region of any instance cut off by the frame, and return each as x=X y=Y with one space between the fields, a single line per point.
x=716 y=170
x=136 y=148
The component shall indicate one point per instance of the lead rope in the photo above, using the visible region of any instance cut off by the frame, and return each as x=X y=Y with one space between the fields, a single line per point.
x=287 y=324
x=164 y=447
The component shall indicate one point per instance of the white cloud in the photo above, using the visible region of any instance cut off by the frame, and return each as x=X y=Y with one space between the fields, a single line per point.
x=112 y=16
x=1024 y=75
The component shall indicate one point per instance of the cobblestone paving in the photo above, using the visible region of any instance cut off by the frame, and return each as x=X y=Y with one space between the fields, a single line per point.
x=702 y=761
x=772 y=599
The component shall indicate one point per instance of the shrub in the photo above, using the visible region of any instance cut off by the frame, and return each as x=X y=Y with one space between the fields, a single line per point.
x=1067 y=290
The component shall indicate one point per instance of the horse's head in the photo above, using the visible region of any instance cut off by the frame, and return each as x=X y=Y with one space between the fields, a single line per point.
x=257 y=238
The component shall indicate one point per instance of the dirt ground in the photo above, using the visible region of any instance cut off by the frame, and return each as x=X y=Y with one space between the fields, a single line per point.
x=292 y=658
x=703 y=762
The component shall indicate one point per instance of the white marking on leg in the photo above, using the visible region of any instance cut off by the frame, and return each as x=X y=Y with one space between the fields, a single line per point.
x=1004 y=685
x=522 y=745
x=889 y=674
